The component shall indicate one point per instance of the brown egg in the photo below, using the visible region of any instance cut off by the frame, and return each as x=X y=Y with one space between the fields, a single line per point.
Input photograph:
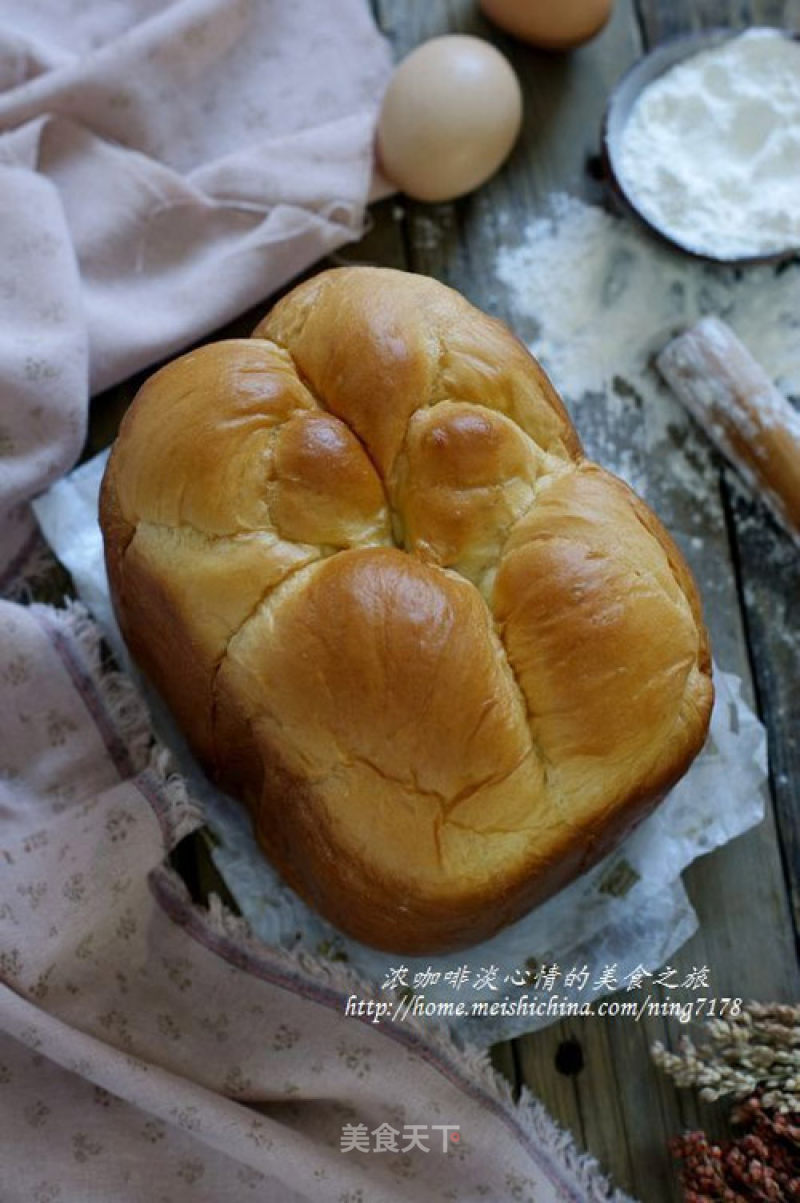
x=552 y=24
x=450 y=116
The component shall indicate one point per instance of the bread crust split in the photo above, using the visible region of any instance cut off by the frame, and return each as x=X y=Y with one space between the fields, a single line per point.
x=447 y=662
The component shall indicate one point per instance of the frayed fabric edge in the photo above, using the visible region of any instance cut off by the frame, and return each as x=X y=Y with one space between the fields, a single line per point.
x=148 y=762
x=124 y=705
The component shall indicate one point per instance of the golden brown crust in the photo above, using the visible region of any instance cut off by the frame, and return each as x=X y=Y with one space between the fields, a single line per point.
x=447 y=662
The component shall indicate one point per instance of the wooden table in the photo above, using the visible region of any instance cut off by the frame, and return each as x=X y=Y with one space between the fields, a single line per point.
x=596 y=1075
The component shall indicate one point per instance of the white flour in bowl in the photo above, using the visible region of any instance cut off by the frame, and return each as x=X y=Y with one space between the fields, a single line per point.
x=711 y=151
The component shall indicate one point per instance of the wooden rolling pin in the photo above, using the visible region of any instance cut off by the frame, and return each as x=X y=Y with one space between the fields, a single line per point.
x=741 y=411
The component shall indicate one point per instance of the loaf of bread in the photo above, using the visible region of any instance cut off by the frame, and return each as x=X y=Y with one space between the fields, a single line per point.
x=445 y=660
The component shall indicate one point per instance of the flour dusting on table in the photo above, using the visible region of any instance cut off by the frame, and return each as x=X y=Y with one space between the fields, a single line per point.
x=596 y=300
x=603 y=298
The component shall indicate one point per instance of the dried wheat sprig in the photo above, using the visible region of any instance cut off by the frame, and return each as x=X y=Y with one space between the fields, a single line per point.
x=757 y=1050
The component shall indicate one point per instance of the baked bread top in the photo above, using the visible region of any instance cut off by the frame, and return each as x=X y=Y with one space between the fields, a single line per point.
x=447 y=661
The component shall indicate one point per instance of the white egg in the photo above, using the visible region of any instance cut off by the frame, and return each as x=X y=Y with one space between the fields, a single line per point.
x=552 y=24
x=450 y=116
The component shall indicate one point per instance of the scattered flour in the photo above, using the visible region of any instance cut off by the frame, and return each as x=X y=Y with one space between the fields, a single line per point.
x=597 y=299
x=604 y=298
x=711 y=151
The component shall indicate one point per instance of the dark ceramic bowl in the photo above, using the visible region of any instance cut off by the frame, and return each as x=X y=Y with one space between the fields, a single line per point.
x=618 y=110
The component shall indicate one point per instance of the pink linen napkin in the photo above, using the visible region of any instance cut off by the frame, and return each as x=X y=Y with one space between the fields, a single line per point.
x=151 y=1050
x=163 y=166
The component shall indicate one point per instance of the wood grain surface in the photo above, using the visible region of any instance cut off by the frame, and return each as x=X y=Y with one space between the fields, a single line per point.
x=595 y=1074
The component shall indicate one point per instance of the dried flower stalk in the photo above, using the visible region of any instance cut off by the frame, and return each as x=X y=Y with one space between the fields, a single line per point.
x=756 y=1051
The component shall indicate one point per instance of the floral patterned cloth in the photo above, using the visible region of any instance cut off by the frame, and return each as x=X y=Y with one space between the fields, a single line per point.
x=151 y=1050
x=163 y=166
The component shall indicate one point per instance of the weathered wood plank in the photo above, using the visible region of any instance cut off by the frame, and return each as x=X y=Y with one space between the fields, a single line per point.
x=770 y=574
x=767 y=576
x=662 y=19
x=504 y=1061
x=537 y=1061
x=767 y=564
x=618 y=1106
x=563 y=97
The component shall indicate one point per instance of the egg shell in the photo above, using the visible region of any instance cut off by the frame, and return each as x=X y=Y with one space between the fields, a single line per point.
x=551 y=24
x=450 y=116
